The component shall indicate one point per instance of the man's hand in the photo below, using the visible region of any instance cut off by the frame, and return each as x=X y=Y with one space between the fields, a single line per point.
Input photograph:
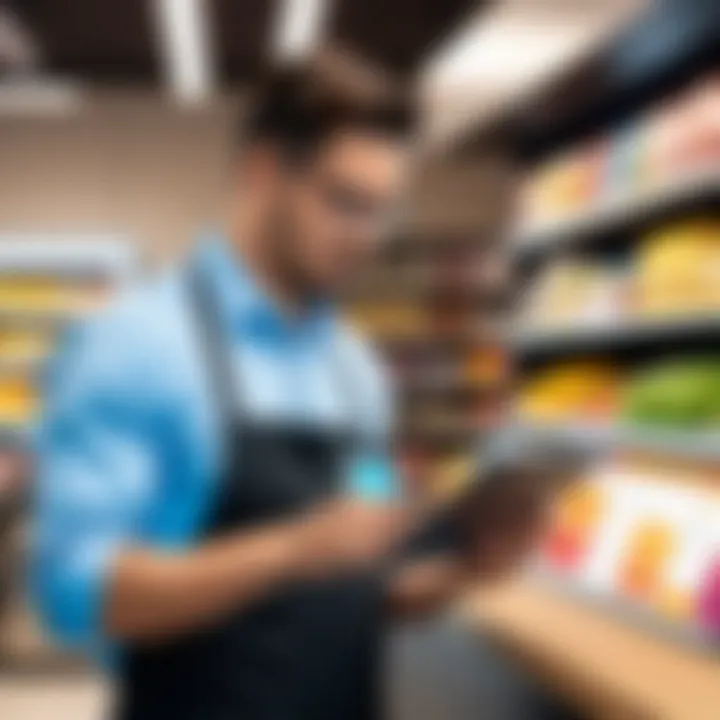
x=423 y=587
x=346 y=534
x=503 y=524
x=486 y=537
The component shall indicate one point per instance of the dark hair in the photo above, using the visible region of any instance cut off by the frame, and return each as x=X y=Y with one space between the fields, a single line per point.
x=300 y=107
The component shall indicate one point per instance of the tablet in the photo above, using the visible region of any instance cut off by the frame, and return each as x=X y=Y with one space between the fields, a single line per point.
x=514 y=481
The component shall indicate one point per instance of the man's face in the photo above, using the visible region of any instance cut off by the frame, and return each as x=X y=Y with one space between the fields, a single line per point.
x=329 y=213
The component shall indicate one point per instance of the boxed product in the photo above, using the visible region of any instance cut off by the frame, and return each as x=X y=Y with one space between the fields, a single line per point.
x=676 y=139
x=644 y=534
x=390 y=319
x=571 y=391
x=571 y=292
x=677 y=394
x=678 y=269
x=487 y=365
x=565 y=184
x=25 y=344
x=684 y=133
x=18 y=400
x=44 y=294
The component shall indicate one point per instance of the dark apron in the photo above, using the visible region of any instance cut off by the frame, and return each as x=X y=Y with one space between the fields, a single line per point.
x=307 y=652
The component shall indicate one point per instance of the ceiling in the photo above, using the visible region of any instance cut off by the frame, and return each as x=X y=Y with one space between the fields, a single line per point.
x=92 y=38
x=396 y=33
x=114 y=40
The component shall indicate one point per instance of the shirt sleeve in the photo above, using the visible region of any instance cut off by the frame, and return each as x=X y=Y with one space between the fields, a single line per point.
x=95 y=473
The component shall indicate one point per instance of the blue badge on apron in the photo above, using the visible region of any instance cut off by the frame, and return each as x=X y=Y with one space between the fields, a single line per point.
x=373 y=478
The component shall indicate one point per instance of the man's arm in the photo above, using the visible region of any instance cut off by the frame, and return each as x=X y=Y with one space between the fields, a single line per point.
x=99 y=467
x=152 y=595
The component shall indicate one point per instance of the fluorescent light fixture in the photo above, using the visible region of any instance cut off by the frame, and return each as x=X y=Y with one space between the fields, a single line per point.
x=510 y=51
x=506 y=49
x=184 y=37
x=298 y=28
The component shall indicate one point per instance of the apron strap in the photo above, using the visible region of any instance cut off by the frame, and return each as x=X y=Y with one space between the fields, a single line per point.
x=223 y=381
x=351 y=396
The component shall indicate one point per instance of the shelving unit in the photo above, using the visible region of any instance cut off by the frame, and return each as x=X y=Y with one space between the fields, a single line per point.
x=637 y=537
x=452 y=382
x=443 y=322
x=47 y=283
x=696 y=446
x=73 y=255
x=631 y=334
x=617 y=214
x=37 y=273
x=69 y=261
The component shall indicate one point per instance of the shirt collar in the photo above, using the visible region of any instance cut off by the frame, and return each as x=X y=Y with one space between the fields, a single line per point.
x=246 y=306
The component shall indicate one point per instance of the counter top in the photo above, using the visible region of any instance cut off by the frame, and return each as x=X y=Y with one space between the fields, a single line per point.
x=602 y=666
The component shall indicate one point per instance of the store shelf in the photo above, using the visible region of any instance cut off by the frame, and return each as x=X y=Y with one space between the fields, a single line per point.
x=450 y=434
x=21 y=365
x=623 y=211
x=447 y=383
x=39 y=318
x=67 y=255
x=420 y=341
x=694 y=445
x=619 y=336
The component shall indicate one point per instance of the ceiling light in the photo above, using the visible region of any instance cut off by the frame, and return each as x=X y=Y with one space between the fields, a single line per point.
x=184 y=37
x=298 y=28
x=508 y=52
x=505 y=50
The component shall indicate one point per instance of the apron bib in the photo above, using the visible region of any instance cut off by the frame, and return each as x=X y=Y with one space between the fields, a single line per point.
x=307 y=652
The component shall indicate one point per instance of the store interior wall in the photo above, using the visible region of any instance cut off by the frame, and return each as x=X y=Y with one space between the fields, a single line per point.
x=123 y=163
x=136 y=165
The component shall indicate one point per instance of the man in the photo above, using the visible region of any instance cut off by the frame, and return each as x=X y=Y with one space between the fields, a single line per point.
x=215 y=495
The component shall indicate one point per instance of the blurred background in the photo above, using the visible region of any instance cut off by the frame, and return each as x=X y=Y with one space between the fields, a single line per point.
x=555 y=271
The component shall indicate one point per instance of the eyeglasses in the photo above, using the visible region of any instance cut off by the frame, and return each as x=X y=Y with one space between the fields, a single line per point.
x=350 y=204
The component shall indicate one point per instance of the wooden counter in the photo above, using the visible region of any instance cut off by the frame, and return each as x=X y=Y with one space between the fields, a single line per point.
x=602 y=667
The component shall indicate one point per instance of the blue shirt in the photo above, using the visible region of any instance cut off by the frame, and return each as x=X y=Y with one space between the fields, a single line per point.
x=128 y=448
